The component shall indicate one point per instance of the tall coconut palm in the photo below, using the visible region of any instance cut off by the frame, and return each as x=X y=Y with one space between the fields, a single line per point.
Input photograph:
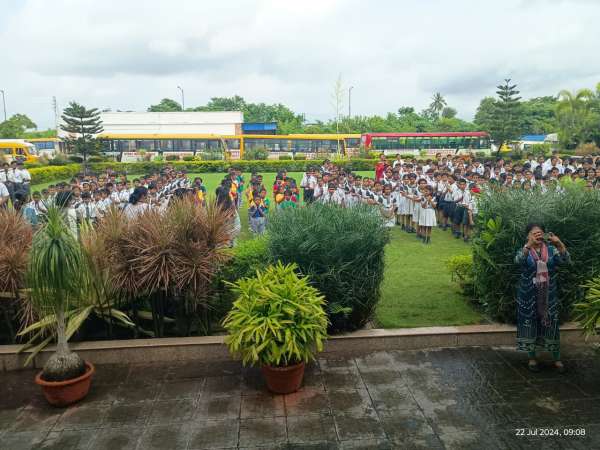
x=437 y=105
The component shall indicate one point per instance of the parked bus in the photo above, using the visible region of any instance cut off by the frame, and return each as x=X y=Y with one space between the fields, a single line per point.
x=48 y=147
x=17 y=150
x=432 y=143
x=133 y=147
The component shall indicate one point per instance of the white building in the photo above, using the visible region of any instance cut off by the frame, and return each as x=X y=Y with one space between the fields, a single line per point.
x=128 y=123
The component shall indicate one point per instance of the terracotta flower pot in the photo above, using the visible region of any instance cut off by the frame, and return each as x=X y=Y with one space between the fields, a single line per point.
x=284 y=380
x=63 y=393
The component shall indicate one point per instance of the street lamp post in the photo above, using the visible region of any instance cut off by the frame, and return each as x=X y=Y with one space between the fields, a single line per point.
x=350 y=101
x=182 y=98
x=4 y=103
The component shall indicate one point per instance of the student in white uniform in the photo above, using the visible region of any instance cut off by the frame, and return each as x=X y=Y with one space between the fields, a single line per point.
x=137 y=203
x=4 y=195
x=87 y=212
x=427 y=216
x=387 y=206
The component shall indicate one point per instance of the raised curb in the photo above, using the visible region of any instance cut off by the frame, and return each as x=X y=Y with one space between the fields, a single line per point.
x=212 y=348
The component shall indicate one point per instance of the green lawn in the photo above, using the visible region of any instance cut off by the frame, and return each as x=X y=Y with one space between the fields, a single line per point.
x=417 y=290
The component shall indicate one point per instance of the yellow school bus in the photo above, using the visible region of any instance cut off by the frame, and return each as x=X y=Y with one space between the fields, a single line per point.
x=132 y=147
x=17 y=150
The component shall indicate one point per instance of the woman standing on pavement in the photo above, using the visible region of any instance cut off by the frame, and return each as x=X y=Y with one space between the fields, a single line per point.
x=537 y=300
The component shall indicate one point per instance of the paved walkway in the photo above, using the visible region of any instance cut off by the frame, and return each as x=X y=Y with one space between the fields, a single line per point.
x=477 y=398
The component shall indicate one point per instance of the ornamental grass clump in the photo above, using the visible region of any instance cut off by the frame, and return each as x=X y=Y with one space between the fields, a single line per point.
x=572 y=213
x=277 y=320
x=15 y=244
x=341 y=250
x=166 y=260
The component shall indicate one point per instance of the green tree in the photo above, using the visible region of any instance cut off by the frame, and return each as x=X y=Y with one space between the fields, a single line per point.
x=81 y=124
x=501 y=117
x=437 y=105
x=449 y=113
x=575 y=117
x=16 y=126
x=538 y=115
x=235 y=103
x=165 y=105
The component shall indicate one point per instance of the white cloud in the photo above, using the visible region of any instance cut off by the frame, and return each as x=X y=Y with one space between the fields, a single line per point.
x=129 y=54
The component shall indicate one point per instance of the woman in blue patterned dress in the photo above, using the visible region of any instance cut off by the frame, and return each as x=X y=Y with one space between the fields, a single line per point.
x=537 y=301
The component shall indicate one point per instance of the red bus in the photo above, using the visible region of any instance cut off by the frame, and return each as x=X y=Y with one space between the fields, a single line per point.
x=431 y=143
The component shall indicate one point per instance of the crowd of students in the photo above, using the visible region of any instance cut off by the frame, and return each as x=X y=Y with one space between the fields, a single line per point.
x=414 y=195
x=418 y=195
x=15 y=182
x=87 y=197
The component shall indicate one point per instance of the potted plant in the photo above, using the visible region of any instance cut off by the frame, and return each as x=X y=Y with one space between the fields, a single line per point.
x=56 y=277
x=278 y=322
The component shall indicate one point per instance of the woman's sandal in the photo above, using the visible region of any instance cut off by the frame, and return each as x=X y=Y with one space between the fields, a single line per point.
x=533 y=366
x=560 y=367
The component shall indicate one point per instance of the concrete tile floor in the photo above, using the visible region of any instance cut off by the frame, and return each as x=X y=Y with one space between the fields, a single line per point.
x=470 y=398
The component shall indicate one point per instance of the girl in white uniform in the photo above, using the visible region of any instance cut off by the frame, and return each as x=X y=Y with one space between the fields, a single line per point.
x=427 y=218
x=387 y=206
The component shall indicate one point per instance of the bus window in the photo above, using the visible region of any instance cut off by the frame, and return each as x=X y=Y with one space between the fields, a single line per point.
x=301 y=145
x=214 y=144
x=232 y=144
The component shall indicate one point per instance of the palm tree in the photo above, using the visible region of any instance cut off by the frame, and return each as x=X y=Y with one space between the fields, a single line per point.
x=437 y=104
x=573 y=114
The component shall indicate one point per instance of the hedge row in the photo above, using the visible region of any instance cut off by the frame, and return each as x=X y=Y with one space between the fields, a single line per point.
x=49 y=174
x=222 y=166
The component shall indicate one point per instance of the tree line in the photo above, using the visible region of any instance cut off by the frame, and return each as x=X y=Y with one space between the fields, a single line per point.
x=575 y=116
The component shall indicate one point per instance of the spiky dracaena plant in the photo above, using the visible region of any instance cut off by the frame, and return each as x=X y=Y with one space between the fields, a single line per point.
x=55 y=277
x=15 y=244
x=169 y=255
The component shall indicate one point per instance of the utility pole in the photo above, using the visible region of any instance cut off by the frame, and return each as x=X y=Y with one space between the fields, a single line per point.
x=350 y=101
x=182 y=98
x=4 y=104
x=55 y=109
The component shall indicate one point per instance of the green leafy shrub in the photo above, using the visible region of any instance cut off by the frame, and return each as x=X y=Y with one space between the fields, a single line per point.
x=284 y=157
x=95 y=159
x=300 y=157
x=210 y=156
x=256 y=154
x=172 y=158
x=49 y=174
x=188 y=158
x=574 y=216
x=75 y=159
x=277 y=319
x=341 y=250
x=588 y=310
x=222 y=165
x=248 y=257
x=461 y=270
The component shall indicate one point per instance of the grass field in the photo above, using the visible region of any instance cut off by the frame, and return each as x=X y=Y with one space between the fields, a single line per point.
x=417 y=290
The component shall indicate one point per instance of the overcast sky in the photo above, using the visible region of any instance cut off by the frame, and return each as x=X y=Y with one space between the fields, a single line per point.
x=129 y=54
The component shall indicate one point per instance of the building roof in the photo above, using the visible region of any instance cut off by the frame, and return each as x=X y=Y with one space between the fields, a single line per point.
x=533 y=138
x=259 y=126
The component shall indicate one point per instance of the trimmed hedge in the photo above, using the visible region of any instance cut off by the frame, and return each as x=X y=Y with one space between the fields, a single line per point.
x=222 y=166
x=49 y=174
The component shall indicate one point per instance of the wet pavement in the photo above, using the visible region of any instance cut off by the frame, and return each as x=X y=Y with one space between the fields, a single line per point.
x=470 y=398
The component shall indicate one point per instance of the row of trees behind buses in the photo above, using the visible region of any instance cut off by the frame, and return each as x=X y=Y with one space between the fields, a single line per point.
x=140 y=147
